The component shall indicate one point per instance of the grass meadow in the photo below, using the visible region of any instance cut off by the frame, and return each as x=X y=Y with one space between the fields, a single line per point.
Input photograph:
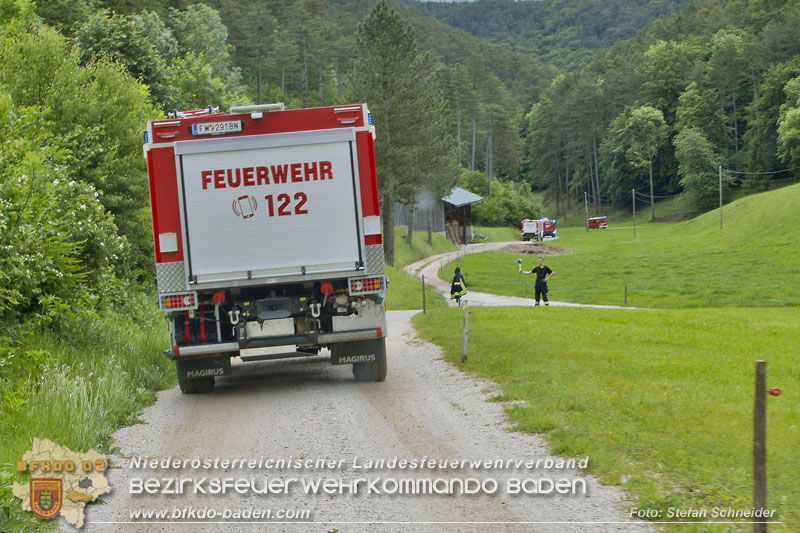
x=661 y=399
x=754 y=261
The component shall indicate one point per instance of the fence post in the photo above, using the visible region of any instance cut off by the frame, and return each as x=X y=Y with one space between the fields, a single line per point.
x=465 y=306
x=720 y=197
x=626 y=294
x=586 y=205
x=760 y=445
x=423 y=293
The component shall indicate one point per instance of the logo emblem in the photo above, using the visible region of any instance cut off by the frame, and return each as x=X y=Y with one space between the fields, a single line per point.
x=46 y=496
x=244 y=206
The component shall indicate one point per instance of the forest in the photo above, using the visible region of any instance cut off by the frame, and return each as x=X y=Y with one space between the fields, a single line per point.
x=564 y=33
x=713 y=84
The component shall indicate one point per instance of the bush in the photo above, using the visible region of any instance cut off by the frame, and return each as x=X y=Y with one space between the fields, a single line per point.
x=56 y=239
x=510 y=201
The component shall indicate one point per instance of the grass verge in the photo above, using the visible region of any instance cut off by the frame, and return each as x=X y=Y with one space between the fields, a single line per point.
x=75 y=383
x=405 y=292
x=660 y=400
x=406 y=252
x=496 y=234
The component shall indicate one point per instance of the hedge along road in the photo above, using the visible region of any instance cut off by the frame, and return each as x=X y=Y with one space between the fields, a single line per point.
x=307 y=409
x=430 y=266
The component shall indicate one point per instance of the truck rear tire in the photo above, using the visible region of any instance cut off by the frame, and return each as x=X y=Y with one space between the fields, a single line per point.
x=374 y=370
x=197 y=386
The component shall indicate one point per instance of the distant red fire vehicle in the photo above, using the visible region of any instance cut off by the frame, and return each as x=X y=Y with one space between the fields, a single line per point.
x=538 y=229
x=598 y=222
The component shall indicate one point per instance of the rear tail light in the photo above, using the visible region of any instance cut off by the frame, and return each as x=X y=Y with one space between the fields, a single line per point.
x=178 y=302
x=369 y=285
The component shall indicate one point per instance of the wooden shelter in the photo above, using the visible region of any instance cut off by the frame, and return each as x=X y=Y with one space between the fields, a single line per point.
x=458 y=215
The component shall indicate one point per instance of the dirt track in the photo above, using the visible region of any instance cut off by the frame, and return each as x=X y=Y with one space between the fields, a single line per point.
x=310 y=409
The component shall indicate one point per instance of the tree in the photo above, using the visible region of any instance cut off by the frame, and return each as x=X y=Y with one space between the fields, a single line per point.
x=65 y=14
x=393 y=79
x=620 y=177
x=761 y=137
x=698 y=108
x=463 y=99
x=727 y=68
x=665 y=69
x=789 y=124
x=152 y=26
x=645 y=131
x=251 y=32
x=199 y=29
x=194 y=85
x=698 y=164
x=119 y=38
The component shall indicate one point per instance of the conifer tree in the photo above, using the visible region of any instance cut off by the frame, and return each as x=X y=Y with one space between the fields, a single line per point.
x=413 y=148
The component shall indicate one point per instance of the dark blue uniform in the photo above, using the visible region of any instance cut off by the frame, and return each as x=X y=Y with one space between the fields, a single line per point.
x=541 y=285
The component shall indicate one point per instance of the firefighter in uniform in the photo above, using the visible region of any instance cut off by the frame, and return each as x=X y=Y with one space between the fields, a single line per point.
x=459 y=286
x=543 y=275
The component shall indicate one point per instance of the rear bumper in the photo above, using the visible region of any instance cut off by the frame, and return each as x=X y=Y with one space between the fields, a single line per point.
x=206 y=350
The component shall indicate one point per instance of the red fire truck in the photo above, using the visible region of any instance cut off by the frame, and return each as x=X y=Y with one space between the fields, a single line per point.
x=531 y=229
x=548 y=227
x=267 y=233
x=598 y=222
x=537 y=229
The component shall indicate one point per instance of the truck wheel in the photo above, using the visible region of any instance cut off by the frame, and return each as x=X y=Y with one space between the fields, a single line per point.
x=375 y=370
x=197 y=386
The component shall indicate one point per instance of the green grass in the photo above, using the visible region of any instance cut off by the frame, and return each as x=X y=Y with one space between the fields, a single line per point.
x=76 y=384
x=753 y=261
x=660 y=400
x=674 y=209
x=405 y=292
x=496 y=234
x=406 y=253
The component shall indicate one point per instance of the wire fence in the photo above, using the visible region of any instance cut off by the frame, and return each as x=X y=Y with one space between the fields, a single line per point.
x=625 y=294
x=647 y=199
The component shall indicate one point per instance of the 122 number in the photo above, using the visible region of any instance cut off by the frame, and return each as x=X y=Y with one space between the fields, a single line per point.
x=284 y=204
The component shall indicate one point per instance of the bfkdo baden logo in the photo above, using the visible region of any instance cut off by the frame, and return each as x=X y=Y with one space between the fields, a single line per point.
x=46 y=496
x=62 y=482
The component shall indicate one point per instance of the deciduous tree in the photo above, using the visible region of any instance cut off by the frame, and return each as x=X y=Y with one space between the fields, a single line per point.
x=646 y=132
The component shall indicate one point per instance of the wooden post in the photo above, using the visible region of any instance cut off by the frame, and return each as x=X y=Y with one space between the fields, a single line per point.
x=633 y=193
x=720 y=197
x=760 y=445
x=423 y=293
x=466 y=331
x=626 y=294
x=586 y=206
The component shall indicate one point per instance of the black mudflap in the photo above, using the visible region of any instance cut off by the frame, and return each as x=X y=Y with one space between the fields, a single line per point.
x=344 y=353
x=204 y=368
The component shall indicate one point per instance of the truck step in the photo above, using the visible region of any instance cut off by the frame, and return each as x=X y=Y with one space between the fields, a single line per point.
x=268 y=356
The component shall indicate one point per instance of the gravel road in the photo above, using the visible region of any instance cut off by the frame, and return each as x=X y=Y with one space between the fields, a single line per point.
x=311 y=410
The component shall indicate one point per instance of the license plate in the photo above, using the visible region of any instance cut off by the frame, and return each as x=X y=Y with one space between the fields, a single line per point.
x=217 y=128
